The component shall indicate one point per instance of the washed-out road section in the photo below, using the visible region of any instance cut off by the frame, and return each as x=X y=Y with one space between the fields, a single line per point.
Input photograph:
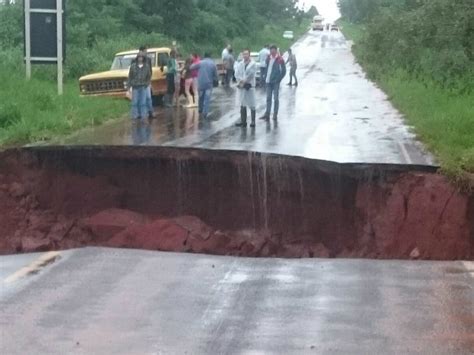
x=96 y=300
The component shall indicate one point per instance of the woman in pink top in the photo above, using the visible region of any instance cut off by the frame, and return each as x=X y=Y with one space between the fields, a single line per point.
x=194 y=74
x=187 y=75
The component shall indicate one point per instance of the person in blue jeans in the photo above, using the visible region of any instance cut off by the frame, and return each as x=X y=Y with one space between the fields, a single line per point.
x=207 y=76
x=276 y=71
x=139 y=77
x=171 y=80
x=149 y=101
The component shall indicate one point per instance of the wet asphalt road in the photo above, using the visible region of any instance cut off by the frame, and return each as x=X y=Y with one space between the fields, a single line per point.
x=334 y=114
x=110 y=301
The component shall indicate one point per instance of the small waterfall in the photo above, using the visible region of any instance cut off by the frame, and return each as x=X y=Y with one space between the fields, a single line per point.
x=250 y=160
x=181 y=185
x=263 y=159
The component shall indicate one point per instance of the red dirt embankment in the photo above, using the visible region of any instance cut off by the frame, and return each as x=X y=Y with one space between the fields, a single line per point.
x=252 y=205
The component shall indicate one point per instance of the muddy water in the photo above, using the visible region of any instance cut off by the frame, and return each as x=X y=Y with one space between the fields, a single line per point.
x=230 y=203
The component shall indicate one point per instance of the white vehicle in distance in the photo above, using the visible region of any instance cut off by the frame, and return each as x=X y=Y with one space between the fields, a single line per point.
x=288 y=34
x=317 y=24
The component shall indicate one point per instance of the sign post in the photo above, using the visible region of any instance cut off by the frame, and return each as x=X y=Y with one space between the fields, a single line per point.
x=44 y=35
x=59 y=31
x=27 y=39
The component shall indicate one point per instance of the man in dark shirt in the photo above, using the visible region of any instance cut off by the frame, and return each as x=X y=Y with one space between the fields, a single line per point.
x=172 y=68
x=139 y=78
x=229 y=62
x=149 y=102
x=276 y=71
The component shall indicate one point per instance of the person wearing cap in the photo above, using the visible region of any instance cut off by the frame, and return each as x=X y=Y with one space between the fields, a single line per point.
x=139 y=78
x=276 y=71
x=245 y=74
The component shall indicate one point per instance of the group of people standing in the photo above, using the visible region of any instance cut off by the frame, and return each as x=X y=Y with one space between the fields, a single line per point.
x=185 y=80
x=272 y=71
x=200 y=76
x=197 y=76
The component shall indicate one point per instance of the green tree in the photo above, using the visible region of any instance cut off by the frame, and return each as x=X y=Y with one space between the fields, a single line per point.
x=430 y=39
x=11 y=25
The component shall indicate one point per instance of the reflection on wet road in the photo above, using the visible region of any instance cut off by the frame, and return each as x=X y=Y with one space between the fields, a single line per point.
x=335 y=114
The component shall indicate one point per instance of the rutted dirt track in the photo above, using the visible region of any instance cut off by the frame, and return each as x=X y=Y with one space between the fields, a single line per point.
x=229 y=203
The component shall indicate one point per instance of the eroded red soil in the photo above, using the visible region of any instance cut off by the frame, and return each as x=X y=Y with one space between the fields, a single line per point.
x=229 y=208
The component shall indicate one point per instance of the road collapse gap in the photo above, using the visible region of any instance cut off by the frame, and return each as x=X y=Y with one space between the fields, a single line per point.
x=228 y=203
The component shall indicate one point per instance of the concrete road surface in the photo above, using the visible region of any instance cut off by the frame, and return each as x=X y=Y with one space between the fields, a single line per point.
x=108 y=301
x=334 y=114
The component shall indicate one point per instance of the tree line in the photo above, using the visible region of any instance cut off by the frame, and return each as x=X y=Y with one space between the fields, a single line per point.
x=96 y=29
x=432 y=40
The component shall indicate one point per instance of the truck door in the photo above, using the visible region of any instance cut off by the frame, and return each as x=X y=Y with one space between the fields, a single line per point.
x=158 y=80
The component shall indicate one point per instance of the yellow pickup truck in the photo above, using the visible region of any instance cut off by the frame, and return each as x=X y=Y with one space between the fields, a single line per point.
x=114 y=81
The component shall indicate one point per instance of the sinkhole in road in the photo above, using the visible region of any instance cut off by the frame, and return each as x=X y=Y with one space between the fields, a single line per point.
x=228 y=203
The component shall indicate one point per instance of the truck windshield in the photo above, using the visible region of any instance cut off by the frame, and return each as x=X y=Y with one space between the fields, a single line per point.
x=124 y=61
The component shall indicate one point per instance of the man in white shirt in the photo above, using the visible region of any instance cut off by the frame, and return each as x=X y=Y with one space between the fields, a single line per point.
x=245 y=75
x=262 y=59
x=225 y=56
x=225 y=52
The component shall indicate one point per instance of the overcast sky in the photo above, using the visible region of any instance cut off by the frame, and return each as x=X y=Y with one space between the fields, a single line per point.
x=327 y=8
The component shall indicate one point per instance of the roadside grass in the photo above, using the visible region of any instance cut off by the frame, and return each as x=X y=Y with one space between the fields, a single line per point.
x=31 y=111
x=352 y=31
x=442 y=119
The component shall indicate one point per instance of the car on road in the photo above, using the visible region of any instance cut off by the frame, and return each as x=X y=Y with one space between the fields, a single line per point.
x=334 y=28
x=288 y=34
